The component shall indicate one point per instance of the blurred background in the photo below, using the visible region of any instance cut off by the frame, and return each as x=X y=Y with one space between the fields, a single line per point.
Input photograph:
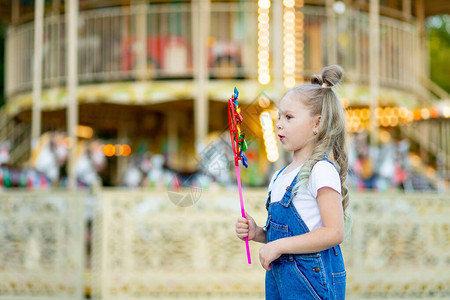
x=116 y=171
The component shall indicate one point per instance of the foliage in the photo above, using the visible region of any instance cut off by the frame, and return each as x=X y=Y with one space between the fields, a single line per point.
x=438 y=31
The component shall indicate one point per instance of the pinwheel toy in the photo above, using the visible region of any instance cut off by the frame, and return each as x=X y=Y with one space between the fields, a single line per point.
x=239 y=147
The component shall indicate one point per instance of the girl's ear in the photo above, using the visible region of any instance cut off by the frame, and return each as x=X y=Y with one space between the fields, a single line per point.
x=317 y=123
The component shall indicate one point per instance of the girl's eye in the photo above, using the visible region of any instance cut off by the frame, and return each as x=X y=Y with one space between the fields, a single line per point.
x=288 y=117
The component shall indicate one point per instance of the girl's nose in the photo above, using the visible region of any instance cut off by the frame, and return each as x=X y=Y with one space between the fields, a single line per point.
x=278 y=125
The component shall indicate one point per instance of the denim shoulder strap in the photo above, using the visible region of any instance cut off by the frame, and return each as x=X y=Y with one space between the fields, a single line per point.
x=279 y=174
x=270 y=192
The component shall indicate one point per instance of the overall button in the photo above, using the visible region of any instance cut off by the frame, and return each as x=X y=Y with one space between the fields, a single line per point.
x=316 y=269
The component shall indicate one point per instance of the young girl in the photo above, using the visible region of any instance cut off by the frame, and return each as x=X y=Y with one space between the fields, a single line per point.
x=307 y=198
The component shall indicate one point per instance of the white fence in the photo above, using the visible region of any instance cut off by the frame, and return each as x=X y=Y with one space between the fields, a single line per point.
x=144 y=246
x=42 y=238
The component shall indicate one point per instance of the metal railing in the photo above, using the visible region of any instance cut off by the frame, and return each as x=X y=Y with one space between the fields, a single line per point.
x=399 y=46
x=155 y=41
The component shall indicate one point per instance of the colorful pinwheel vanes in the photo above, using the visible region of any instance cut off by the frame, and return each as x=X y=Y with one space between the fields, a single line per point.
x=237 y=137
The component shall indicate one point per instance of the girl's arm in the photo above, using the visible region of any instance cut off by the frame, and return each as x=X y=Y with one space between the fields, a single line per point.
x=330 y=235
x=246 y=227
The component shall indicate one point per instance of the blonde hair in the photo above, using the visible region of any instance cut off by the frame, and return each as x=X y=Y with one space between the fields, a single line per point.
x=330 y=140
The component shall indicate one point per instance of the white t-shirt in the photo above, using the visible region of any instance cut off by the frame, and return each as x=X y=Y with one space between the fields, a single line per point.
x=323 y=174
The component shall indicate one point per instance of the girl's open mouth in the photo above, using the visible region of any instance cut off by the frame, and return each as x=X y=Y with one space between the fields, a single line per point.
x=281 y=137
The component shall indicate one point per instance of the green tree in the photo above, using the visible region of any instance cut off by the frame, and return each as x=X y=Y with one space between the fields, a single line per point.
x=438 y=31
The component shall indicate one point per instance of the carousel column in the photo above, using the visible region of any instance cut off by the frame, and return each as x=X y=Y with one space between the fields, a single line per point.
x=200 y=29
x=140 y=9
x=331 y=36
x=423 y=69
x=122 y=161
x=374 y=62
x=72 y=119
x=406 y=9
x=72 y=86
x=37 y=75
x=11 y=74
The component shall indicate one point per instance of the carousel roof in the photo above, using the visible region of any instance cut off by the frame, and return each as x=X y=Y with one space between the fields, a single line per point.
x=432 y=7
x=436 y=7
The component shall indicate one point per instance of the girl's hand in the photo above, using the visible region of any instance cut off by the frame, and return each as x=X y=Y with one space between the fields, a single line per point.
x=267 y=254
x=246 y=227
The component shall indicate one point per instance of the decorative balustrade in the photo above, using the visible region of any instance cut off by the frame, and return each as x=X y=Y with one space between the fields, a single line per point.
x=42 y=245
x=144 y=246
x=156 y=41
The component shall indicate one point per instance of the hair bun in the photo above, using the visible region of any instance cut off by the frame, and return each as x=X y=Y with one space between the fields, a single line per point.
x=316 y=79
x=332 y=75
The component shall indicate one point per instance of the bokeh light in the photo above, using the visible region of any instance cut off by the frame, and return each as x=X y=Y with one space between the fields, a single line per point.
x=109 y=150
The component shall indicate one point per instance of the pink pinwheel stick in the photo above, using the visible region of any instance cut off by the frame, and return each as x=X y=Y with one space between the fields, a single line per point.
x=249 y=259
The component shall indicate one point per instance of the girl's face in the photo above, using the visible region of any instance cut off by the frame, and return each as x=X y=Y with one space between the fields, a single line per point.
x=296 y=127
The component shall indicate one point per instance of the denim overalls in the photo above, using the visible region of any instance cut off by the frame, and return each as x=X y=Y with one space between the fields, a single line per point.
x=300 y=276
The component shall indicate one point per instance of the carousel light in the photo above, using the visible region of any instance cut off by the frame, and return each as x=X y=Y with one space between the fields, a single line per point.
x=417 y=115
x=269 y=136
x=289 y=43
x=264 y=4
x=273 y=157
x=446 y=112
x=299 y=44
x=85 y=132
x=339 y=7
x=410 y=117
x=289 y=3
x=125 y=150
x=425 y=113
x=388 y=111
x=264 y=78
x=264 y=19
x=289 y=82
x=393 y=121
x=396 y=111
x=365 y=114
x=109 y=150
x=384 y=121
x=263 y=42
x=403 y=112
x=434 y=112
